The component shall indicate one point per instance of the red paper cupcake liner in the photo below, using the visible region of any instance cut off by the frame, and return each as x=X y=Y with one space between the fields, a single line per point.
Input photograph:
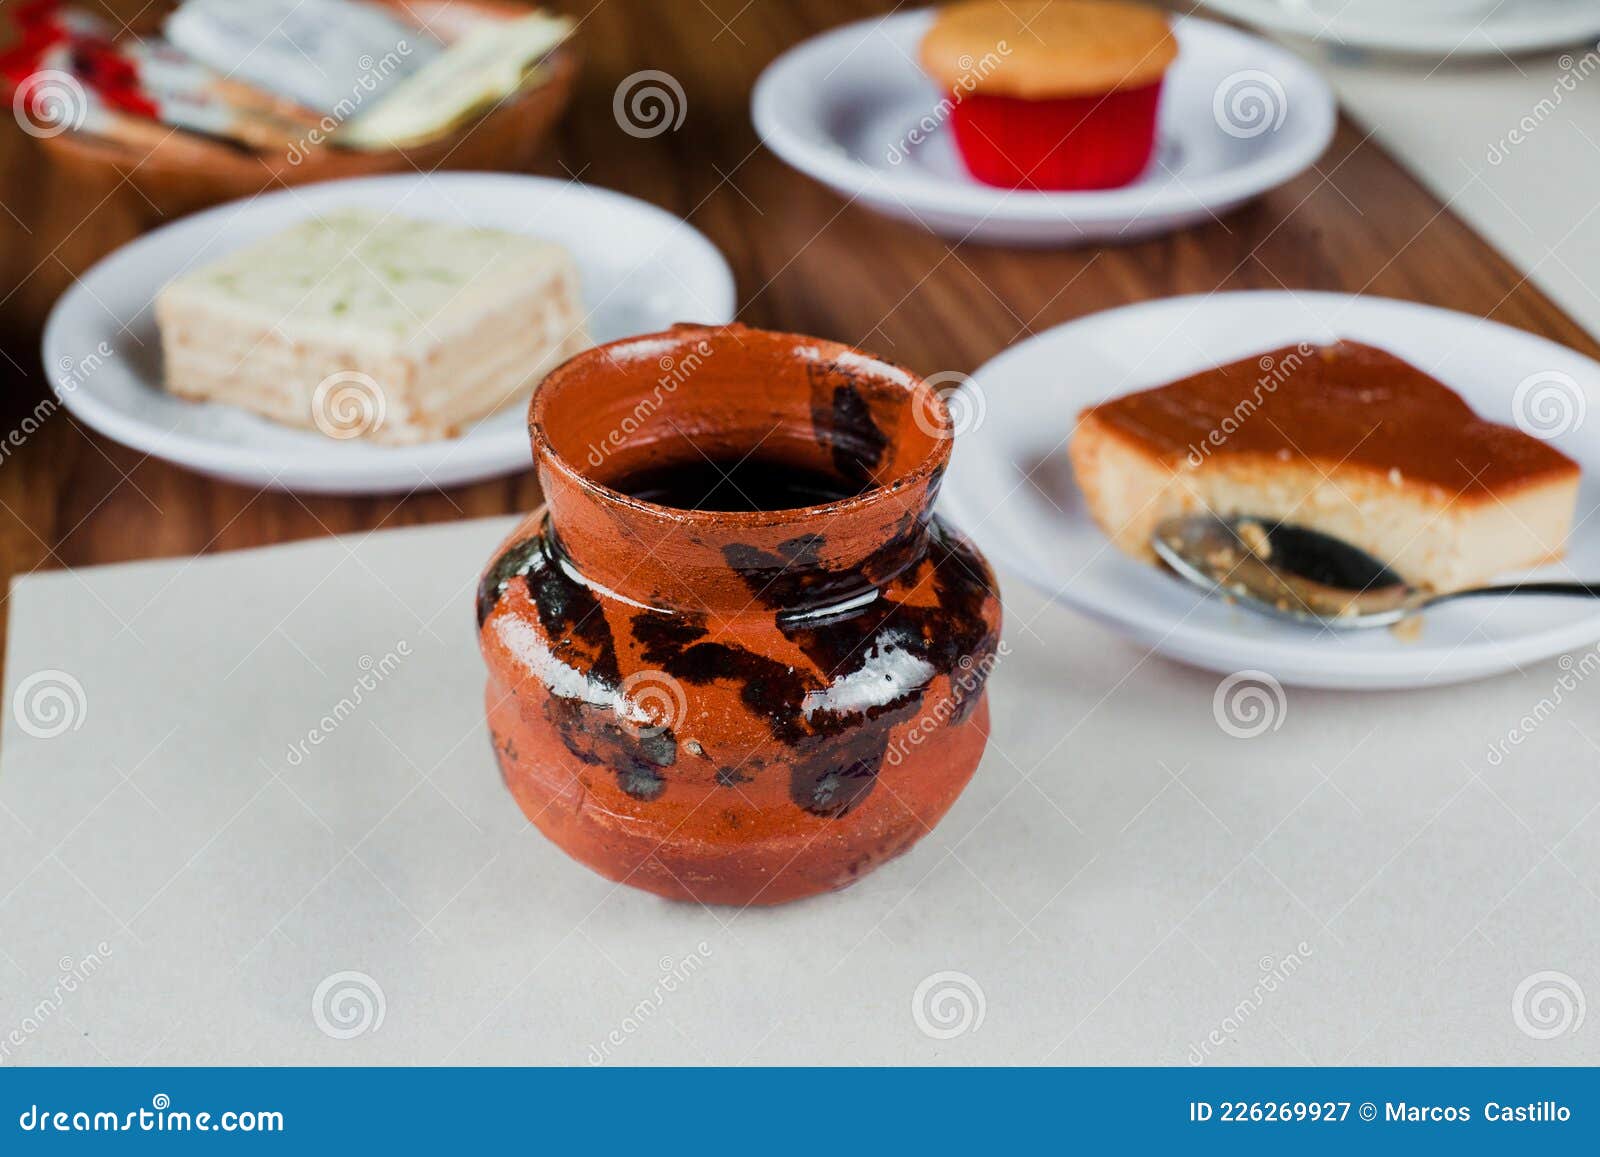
x=1080 y=142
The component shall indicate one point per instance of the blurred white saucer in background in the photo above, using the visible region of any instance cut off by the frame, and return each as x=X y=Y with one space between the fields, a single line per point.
x=1239 y=116
x=1425 y=27
x=642 y=269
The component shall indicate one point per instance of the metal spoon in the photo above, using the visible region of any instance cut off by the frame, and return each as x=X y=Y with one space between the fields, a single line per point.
x=1306 y=576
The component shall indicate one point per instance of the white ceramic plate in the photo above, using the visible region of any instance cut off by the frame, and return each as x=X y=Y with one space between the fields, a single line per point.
x=1011 y=487
x=1481 y=28
x=642 y=269
x=1238 y=117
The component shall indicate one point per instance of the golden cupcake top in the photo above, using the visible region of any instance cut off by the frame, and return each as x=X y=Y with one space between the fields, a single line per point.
x=1039 y=49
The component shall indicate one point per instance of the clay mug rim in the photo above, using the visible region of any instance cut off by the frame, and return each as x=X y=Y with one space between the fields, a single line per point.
x=923 y=399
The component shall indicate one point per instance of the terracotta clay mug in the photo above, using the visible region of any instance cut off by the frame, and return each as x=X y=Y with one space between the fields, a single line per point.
x=735 y=658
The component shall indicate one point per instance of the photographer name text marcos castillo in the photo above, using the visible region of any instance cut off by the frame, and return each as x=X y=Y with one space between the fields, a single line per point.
x=1533 y=1113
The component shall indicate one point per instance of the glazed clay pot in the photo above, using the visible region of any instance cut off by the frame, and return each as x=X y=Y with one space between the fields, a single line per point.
x=737 y=707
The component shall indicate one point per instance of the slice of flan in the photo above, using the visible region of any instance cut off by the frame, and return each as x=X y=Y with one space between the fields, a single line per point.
x=1343 y=438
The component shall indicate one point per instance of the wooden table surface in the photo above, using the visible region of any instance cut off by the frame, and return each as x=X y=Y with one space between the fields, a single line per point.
x=804 y=260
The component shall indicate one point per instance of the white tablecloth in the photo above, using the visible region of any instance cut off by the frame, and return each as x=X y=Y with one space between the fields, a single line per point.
x=1124 y=881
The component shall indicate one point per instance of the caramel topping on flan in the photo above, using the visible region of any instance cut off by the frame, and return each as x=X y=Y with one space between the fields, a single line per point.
x=1343 y=404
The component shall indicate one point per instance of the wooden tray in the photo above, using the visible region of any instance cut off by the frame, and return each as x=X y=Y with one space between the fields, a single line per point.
x=186 y=171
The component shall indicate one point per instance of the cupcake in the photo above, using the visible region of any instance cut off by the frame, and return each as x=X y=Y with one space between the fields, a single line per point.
x=1051 y=94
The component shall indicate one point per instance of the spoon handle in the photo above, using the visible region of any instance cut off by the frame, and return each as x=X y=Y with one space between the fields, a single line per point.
x=1583 y=590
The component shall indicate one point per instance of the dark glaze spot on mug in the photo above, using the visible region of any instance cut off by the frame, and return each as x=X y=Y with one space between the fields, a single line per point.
x=903 y=545
x=831 y=790
x=790 y=580
x=964 y=585
x=770 y=690
x=940 y=634
x=841 y=421
x=783 y=581
x=642 y=783
x=803 y=550
x=572 y=617
x=836 y=769
x=659 y=747
x=580 y=637
x=512 y=562
x=593 y=735
x=952 y=637
x=857 y=443
x=662 y=635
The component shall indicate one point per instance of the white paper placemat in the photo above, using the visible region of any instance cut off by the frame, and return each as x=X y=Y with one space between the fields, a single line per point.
x=186 y=877
x=1512 y=147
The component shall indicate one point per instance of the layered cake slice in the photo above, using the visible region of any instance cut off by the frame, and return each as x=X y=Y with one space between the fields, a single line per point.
x=1345 y=439
x=362 y=324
